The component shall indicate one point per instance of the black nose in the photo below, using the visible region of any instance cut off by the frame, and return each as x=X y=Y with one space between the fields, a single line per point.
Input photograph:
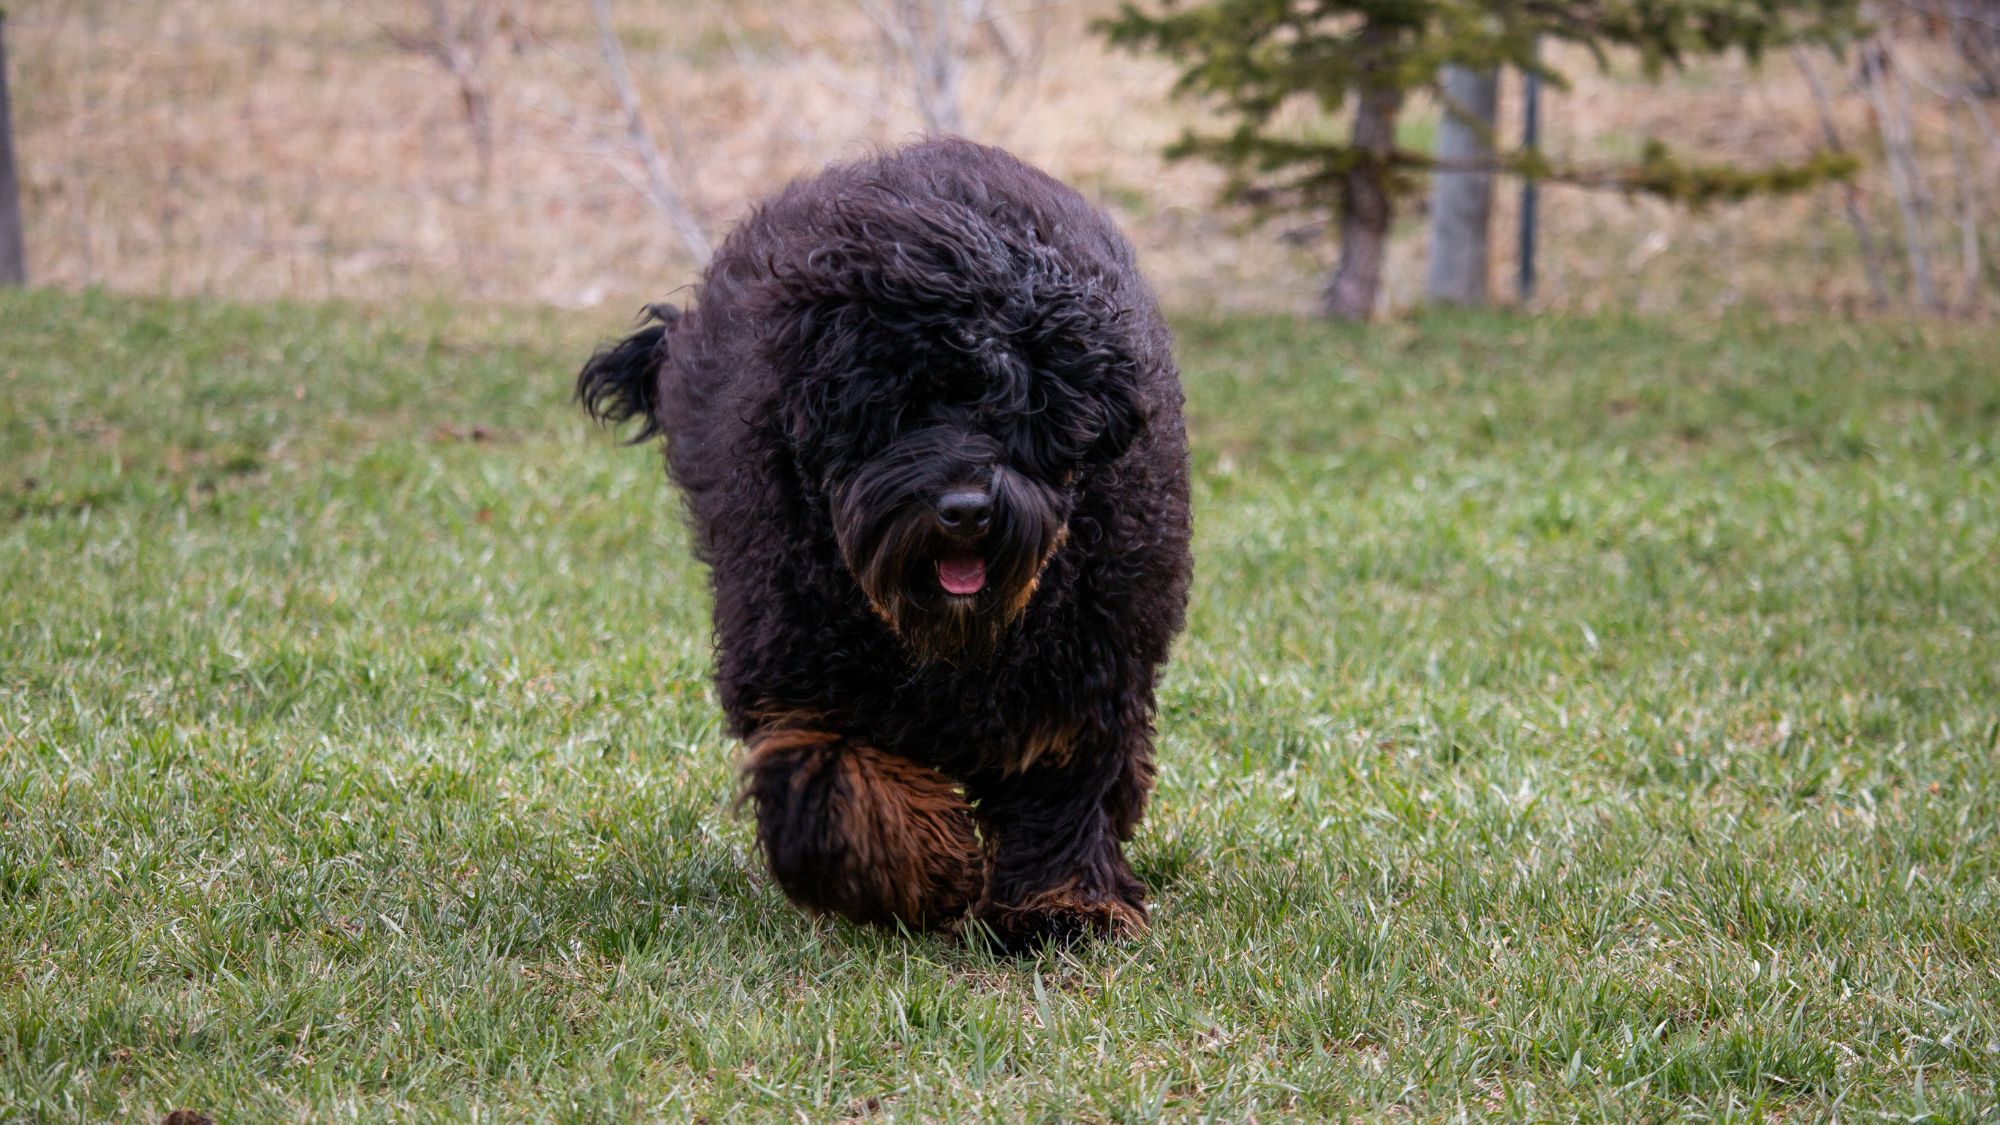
x=964 y=512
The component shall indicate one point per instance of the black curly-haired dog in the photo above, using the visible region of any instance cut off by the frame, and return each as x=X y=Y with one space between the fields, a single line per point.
x=928 y=426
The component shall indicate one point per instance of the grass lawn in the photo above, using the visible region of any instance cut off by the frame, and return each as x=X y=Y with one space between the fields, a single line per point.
x=1578 y=718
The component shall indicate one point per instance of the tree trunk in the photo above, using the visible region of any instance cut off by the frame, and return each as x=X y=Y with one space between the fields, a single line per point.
x=13 y=251
x=1365 y=208
x=1462 y=202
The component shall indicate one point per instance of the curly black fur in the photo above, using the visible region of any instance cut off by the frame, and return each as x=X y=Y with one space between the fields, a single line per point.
x=931 y=371
x=623 y=381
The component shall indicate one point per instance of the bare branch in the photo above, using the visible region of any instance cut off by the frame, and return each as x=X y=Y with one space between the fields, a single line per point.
x=929 y=38
x=1878 y=288
x=1021 y=59
x=1892 y=122
x=752 y=66
x=460 y=46
x=662 y=187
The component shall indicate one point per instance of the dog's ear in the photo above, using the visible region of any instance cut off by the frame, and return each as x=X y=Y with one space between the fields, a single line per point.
x=1122 y=419
x=623 y=381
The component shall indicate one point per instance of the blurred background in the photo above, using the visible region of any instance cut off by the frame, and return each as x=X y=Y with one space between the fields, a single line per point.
x=1581 y=715
x=584 y=152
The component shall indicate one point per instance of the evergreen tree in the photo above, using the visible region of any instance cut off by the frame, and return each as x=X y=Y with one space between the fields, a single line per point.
x=1253 y=58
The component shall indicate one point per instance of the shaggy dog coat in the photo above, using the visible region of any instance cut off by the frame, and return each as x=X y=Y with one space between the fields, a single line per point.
x=928 y=427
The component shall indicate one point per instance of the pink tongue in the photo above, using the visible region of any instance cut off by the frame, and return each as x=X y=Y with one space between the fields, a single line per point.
x=962 y=575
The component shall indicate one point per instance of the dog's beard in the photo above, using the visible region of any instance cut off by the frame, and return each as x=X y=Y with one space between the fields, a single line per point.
x=893 y=548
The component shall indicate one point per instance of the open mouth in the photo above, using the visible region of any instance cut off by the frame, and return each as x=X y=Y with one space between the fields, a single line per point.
x=962 y=575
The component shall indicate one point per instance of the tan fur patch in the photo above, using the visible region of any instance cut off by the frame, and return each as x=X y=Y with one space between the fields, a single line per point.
x=912 y=824
x=1045 y=746
x=1020 y=603
x=882 y=612
x=802 y=720
x=892 y=840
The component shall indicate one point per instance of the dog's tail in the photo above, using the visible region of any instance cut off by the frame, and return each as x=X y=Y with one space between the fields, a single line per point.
x=623 y=380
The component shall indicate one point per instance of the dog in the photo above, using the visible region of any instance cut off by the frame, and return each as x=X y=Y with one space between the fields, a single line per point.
x=927 y=423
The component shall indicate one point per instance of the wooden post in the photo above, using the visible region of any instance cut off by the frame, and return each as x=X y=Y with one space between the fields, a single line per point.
x=1462 y=201
x=1531 y=139
x=13 y=250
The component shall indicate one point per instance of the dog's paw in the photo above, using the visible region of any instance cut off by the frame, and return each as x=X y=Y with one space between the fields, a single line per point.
x=1061 y=916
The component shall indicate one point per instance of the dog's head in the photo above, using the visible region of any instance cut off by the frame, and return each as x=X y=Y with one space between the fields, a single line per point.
x=948 y=390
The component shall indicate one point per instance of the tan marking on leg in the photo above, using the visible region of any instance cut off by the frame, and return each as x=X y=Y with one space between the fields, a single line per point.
x=1048 y=746
x=771 y=717
x=871 y=836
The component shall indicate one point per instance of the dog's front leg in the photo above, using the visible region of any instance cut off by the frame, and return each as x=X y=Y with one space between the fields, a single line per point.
x=1055 y=866
x=850 y=830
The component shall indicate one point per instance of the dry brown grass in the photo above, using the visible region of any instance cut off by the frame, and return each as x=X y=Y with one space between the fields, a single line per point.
x=266 y=148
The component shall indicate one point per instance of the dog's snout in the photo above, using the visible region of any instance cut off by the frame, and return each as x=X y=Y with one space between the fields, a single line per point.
x=964 y=512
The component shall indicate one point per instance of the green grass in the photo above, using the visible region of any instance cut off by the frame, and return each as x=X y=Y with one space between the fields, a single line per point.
x=1578 y=718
